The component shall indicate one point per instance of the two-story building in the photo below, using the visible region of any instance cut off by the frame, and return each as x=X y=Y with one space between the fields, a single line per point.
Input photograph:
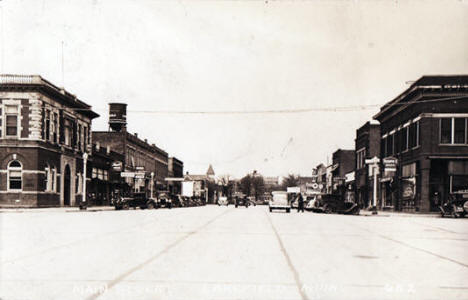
x=343 y=163
x=424 y=142
x=145 y=166
x=367 y=145
x=44 y=132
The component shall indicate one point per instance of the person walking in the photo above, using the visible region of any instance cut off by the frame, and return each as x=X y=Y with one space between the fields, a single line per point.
x=300 y=203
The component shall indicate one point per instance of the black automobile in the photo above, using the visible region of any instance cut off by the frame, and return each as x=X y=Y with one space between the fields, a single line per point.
x=335 y=204
x=164 y=200
x=134 y=200
x=242 y=201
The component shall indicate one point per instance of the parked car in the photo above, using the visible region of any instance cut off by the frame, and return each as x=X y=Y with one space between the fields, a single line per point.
x=135 y=200
x=241 y=201
x=223 y=200
x=280 y=201
x=164 y=200
x=328 y=203
x=454 y=207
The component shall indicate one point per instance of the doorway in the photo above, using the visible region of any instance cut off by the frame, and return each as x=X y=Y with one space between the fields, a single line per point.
x=67 y=186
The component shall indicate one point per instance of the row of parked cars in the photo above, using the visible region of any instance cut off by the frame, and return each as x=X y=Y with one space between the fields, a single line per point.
x=319 y=203
x=162 y=200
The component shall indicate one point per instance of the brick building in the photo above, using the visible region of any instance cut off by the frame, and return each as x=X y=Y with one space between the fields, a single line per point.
x=367 y=145
x=44 y=131
x=145 y=166
x=343 y=163
x=175 y=170
x=424 y=143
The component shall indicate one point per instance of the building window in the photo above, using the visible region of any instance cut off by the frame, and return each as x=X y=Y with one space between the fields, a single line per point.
x=15 y=176
x=389 y=151
x=453 y=131
x=47 y=125
x=106 y=175
x=11 y=120
x=404 y=138
x=413 y=136
x=94 y=173
x=55 y=127
x=360 y=158
x=460 y=131
x=54 y=180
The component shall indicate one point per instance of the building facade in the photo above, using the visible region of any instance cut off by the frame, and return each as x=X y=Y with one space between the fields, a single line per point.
x=343 y=163
x=175 y=170
x=367 y=145
x=44 y=132
x=424 y=143
x=144 y=167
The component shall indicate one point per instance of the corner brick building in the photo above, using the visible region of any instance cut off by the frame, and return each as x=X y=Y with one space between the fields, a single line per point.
x=44 y=131
x=424 y=144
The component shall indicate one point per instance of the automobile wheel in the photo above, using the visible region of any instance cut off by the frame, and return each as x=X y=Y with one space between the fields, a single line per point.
x=150 y=205
x=271 y=209
x=125 y=206
x=288 y=210
x=236 y=205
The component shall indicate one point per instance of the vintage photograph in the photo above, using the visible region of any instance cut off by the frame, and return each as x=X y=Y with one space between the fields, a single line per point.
x=233 y=149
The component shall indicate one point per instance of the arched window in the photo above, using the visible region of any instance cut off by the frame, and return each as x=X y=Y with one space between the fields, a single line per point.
x=15 y=175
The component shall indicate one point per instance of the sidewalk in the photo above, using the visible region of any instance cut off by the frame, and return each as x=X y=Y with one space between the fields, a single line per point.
x=55 y=209
x=399 y=214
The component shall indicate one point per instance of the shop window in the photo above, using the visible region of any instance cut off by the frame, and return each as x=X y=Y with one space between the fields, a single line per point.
x=459 y=184
x=94 y=173
x=15 y=175
x=106 y=175
x=11 y=120
x=54 y=179
x=47 y=179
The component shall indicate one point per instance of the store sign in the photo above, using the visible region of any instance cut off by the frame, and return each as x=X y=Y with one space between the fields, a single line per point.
x=140 y=168
x=128 y=174
x=140 y=175
x=117 y=166
x=390 y=165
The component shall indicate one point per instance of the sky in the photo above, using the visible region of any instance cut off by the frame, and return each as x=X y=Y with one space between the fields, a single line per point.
x=242 y=85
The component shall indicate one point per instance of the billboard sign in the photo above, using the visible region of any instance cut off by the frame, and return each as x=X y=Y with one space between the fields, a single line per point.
x=187 y=188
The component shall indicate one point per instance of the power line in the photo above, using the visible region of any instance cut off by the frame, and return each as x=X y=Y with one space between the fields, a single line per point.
x=287 y=111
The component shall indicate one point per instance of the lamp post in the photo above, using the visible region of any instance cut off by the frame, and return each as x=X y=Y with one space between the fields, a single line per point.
x=83 y=201
x=152 y=183
x=374 y=171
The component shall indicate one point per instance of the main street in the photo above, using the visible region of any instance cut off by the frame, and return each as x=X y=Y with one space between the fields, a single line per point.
x=227 y=253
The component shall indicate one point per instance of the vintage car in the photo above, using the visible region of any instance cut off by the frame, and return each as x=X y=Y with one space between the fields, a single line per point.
x=134 y=200
x=241 y=201
x=164 y=200
x=280 y=201
x=327 y=203
x=223 y=200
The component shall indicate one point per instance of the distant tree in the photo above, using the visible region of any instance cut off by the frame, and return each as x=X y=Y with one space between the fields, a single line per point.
x=246 y=184
x=291 y=180
x=227 y=184
x=258 y=185
x=253 y=185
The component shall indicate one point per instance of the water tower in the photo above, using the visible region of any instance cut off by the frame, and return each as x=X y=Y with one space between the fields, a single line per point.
x=118 y=116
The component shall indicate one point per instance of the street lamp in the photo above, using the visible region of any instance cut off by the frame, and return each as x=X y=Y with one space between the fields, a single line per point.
x=85 y=160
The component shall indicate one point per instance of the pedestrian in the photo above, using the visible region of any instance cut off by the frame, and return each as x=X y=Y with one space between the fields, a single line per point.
x=300 y=203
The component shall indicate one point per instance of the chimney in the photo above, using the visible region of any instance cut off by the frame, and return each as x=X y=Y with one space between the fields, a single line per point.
x=136 y=134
